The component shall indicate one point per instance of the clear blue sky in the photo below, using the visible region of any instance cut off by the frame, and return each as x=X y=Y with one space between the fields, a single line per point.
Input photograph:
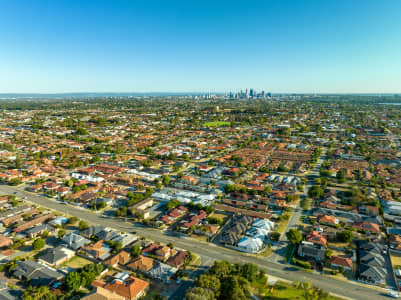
x=191 y=45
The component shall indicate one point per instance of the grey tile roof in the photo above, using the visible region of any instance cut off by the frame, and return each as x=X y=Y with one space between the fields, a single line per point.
x=93 y=230
x=312 y=251
x=375 y=274
x=37 y=273
x=74 y=241
x=53 y=255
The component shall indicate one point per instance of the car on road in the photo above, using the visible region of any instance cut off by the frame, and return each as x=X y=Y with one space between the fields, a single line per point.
x=393 y=294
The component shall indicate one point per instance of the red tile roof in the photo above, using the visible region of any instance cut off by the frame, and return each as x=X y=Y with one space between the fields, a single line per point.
x=130 y=289
x=341 y=261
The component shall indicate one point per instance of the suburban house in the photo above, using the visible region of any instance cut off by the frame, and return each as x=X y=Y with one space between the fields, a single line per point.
x=369 y=210
x=14 y=211
x=162 y=272
x=341 y=262
x=395 y=242
x=142 y=264
x=150 y=249
x=56 y=256
x=264 y=224
x=5 y=241
x=143 y=207
x=103 y=294
x=38 y=230
x=164 y=252
x=328 y=220
x=178 y=260
x=193 y=219
x=98 y=250
x=367 y=226
x=312 y=251
x=74 y=241
x=250 y=245
x=316 y=238
x=371 y=274
x=121 y=258
x=234 y=230
x=38 y=274
x=125 y=239
x=371 y=266
x=92 y=231
x=37 y=221
x=174 y=214
x=130 y=288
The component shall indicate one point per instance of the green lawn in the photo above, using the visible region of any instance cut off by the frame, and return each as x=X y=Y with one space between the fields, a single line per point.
x=217 y=124
x=282 y=224
x=222 y=217
x=77 y=262
x=285 y=291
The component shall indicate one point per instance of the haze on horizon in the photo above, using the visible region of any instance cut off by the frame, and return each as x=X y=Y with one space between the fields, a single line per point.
x=343 y=46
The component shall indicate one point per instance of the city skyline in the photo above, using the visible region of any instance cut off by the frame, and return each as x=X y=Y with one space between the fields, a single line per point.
x=285 y=47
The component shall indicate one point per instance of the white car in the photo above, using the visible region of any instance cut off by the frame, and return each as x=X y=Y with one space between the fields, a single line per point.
x=393 y=294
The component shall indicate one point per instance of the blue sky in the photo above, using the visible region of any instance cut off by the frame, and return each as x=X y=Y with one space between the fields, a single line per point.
x=142 y=46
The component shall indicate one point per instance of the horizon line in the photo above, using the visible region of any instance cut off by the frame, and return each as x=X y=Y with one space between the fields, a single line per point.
x=195 y=92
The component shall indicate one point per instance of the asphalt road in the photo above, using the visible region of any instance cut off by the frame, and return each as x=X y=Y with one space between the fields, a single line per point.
x=207 y=251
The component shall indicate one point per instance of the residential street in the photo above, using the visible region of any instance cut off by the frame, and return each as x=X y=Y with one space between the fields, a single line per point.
x=208 y=252
x=293 y=221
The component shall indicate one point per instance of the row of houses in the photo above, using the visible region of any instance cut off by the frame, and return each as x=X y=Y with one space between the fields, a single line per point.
x=245 y=233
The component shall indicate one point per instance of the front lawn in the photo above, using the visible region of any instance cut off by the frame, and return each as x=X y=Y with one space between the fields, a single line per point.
x=282 y=223
x=283 y=291
x=77 y=262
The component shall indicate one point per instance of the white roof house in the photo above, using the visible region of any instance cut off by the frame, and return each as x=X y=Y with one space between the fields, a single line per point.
x=288 y=179
x=209 y=197
x=393 y=210
x=257 y=232
x=264 y=224
x=250 y=245
x=188 y=194
x=87 y=177
x=201 y=202
x=183 y=200
x=161 y=196
x=59 y=221
x=162 y=272
x=125 y=239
